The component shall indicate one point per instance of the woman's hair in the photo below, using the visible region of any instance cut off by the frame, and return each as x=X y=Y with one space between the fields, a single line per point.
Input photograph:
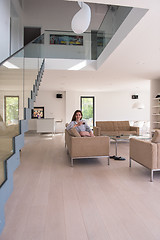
x=74 y=115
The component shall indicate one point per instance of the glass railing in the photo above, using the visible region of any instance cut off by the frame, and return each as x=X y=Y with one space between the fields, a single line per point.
x=86 y=46
x=110 y=24
x=17 y=77
x=61 y=45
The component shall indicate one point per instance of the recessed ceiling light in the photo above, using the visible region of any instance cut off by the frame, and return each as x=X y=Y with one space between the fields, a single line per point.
x=79 y=65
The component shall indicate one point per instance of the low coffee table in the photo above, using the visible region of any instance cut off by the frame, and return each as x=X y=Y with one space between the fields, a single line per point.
x=126 y=138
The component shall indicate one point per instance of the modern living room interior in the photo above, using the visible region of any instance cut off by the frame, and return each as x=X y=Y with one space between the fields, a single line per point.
x=92 y=200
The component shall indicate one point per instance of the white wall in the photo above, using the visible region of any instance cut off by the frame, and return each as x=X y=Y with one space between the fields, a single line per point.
x=4 y=28
x=111 y=105
x=155 y=90
x=10 y=9
x=16 y=26
x=108 y=106
x=53 y=108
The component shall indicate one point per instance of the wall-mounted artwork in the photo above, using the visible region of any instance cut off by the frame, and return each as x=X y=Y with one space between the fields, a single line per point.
x=38 y=112
x=66 y=40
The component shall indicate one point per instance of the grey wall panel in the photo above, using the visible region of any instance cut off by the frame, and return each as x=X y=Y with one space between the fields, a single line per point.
x=24 y=126
x=7 y=188
x=19 y=142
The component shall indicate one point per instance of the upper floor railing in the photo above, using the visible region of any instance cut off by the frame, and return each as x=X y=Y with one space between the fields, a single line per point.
x=86 y=46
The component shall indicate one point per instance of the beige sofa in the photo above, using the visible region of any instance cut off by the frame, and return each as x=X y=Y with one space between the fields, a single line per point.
x=147 y=153
x=86 y=147
x=114 y=128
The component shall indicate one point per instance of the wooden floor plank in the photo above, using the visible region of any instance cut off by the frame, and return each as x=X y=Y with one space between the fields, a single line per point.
x=91 y=201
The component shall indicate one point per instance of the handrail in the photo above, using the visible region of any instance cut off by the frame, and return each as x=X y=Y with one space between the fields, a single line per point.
x=1 y=63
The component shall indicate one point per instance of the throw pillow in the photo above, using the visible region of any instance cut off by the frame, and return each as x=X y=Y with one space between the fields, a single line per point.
x=156 y=137
x=73 y=132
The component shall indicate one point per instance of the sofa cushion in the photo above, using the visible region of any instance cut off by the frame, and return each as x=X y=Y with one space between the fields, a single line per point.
x=156 y=137
x=73 y=132
x=122 y=125
x=109 y=133
x=105 y=125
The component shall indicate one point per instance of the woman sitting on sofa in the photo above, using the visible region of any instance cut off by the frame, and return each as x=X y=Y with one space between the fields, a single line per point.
x=80 y=125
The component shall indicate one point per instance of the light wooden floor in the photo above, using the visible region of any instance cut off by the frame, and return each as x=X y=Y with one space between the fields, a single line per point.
x=92 y=201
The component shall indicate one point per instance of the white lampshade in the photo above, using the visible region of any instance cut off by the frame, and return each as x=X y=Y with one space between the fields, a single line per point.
x=81 y=20
x=138 y=105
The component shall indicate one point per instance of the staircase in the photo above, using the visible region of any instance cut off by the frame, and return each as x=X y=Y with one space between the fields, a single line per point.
x=11 y=142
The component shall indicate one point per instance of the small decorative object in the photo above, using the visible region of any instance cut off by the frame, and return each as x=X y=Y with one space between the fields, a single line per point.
x=138 y=105
x=38 y=112
x=81 y=19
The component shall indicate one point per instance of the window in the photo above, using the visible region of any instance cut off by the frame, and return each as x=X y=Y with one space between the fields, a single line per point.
x=11 y=110
x=87 y=107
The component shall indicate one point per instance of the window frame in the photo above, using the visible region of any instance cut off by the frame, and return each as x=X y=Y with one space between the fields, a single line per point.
x=6 y=96
x=93 y=97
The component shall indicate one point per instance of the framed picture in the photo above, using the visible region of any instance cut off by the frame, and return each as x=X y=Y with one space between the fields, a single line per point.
x=38 y=112
x=66 y=40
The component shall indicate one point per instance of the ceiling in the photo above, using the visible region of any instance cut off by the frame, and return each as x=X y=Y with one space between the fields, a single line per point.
x=130 y=66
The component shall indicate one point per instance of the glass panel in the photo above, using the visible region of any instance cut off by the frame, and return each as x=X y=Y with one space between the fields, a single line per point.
x=35 y=49
x=17 y=77
x=2 y=172
x=31 y=66
x=11 y=107
x=12 y=71
x=111 y=22
x=64 y=45
x=87 y=107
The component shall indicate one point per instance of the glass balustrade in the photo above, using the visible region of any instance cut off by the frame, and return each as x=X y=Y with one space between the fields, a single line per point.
x=11 y=107
x=17 y=77
x=86 y=46
x=110 y=24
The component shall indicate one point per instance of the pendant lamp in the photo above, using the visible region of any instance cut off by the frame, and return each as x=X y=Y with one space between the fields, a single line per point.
x=81 y=19
x=138 y=105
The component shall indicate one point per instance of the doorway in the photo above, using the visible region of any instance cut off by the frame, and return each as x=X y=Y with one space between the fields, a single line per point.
x=30 y=33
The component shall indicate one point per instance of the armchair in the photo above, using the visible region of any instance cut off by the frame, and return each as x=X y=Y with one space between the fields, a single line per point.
x=146 y=153
x=86 y=147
